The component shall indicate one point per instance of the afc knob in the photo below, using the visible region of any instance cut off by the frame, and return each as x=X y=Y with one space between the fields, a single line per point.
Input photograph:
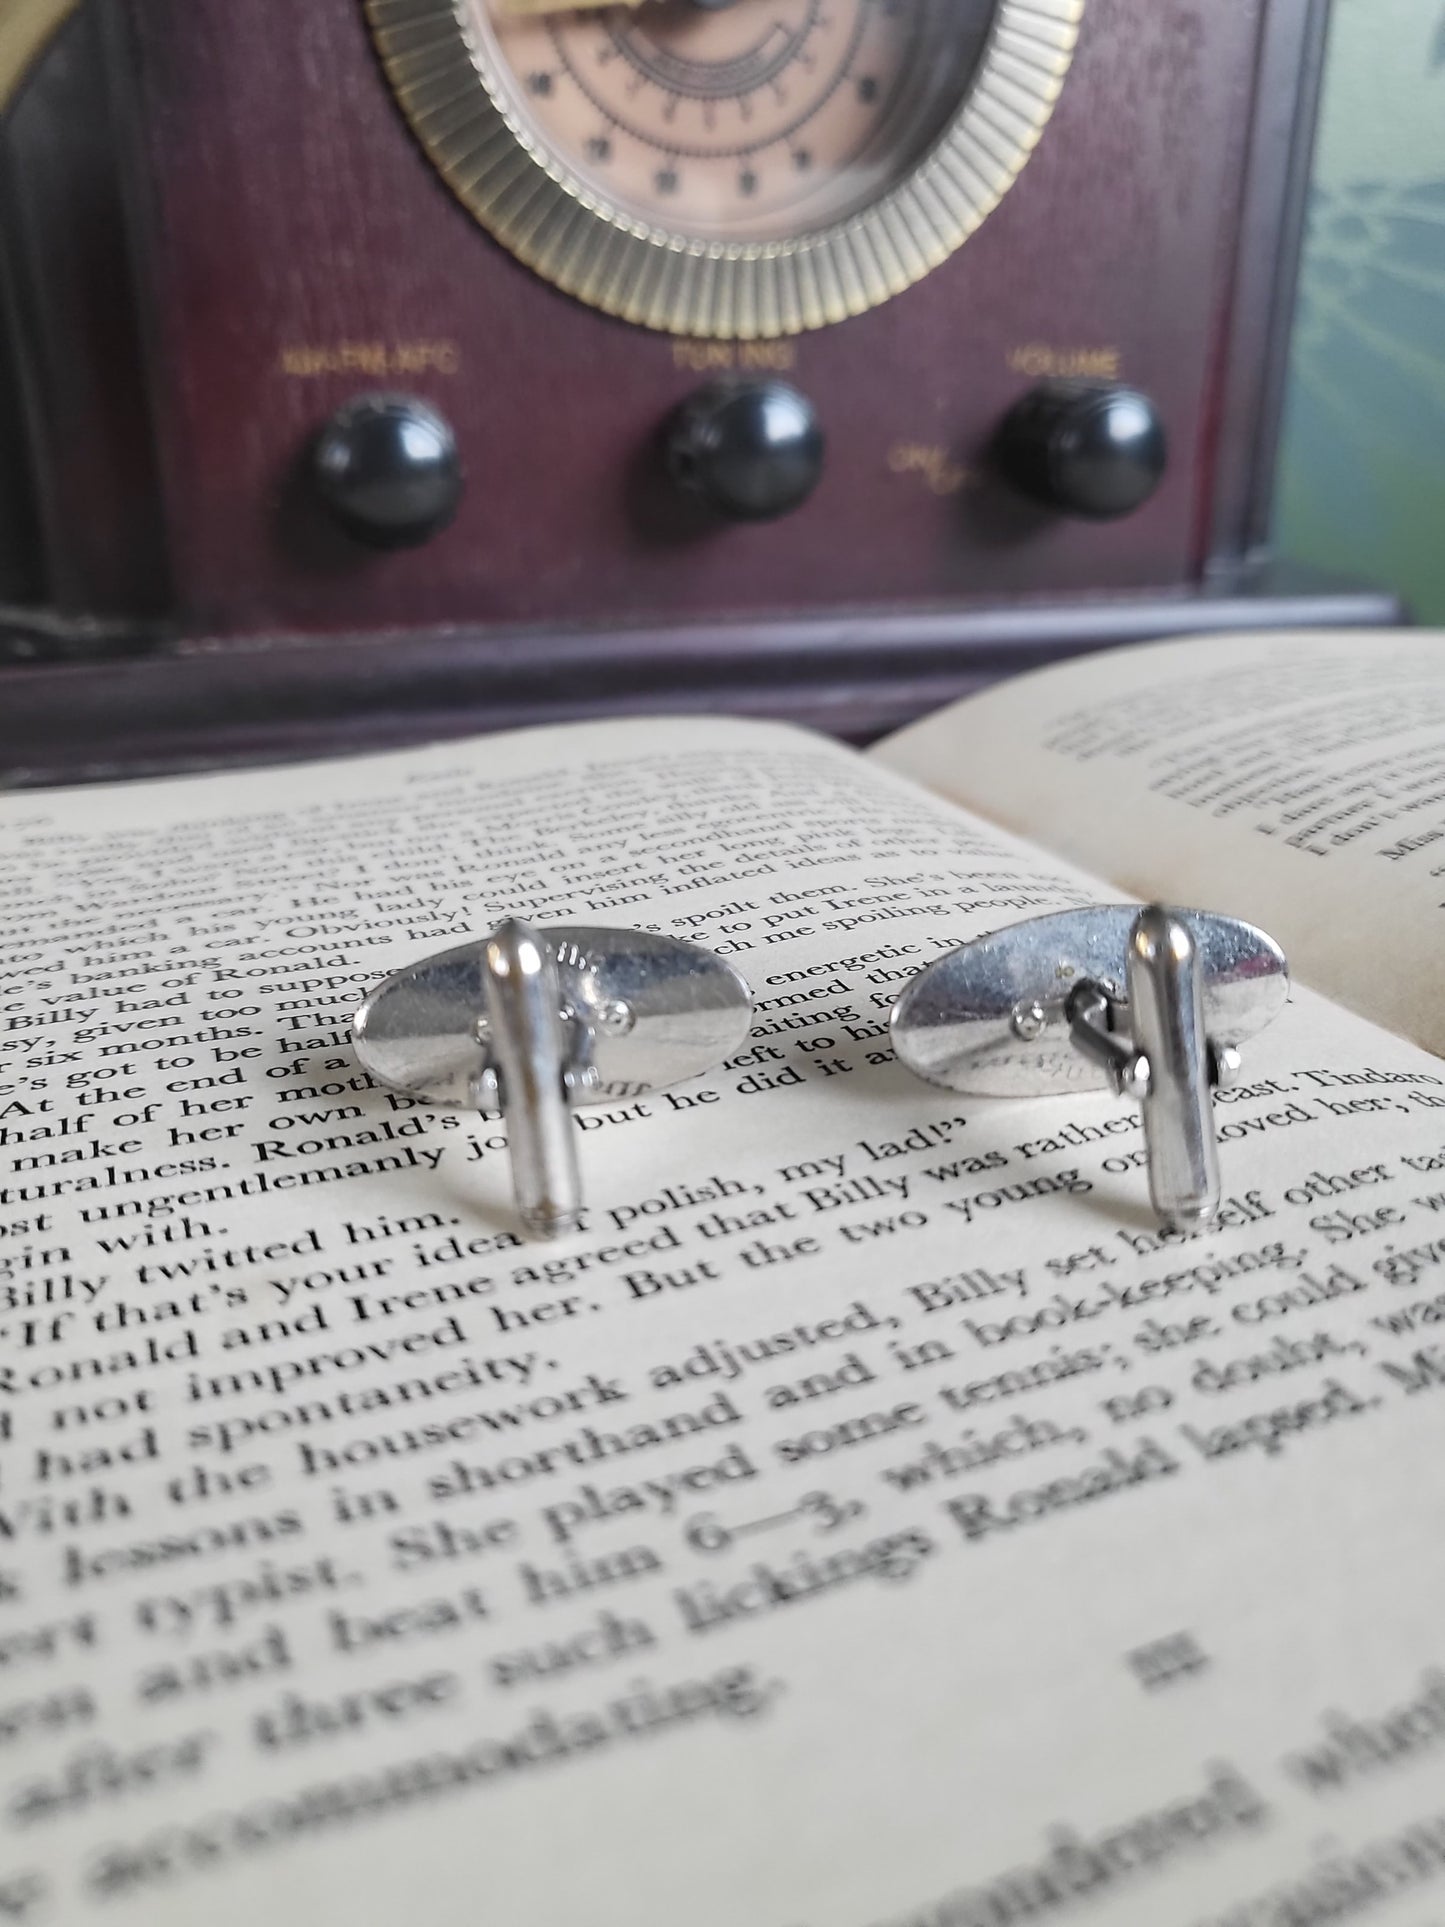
x=1090 y=448
x=749 y=450
x=386 y=467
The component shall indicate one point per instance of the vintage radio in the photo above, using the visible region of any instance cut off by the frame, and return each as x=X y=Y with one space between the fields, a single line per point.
x=383 y=368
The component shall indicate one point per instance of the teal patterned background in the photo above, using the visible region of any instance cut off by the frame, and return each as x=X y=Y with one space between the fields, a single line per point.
x=1362 y=480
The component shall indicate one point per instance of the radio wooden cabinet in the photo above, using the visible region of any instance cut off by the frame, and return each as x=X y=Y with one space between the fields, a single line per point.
x=382 y=370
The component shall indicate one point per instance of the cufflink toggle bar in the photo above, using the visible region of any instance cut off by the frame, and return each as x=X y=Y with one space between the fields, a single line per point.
x=534 y=1022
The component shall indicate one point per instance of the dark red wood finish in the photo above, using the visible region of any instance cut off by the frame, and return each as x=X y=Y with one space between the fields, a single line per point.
x=213 y=701
x=290 y=208
x=190 y=603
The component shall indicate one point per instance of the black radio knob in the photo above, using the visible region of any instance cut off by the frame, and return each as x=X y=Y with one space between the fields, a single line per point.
x=1091 y=448
x=750 y=450
x=386 y=467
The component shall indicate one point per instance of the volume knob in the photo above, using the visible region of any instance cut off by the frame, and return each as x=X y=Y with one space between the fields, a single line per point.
x=750 y=450
x=1090 y=448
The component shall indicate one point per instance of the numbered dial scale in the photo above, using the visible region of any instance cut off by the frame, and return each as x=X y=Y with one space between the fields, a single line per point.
x=735 y=168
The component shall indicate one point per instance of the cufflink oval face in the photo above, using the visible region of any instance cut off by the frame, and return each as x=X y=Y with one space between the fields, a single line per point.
x=533 y=1022
x=1148 y=1003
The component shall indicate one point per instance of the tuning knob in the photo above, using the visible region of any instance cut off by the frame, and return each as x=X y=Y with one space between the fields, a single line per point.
x=1091 y=448
x=386 y=467
x=750 y=450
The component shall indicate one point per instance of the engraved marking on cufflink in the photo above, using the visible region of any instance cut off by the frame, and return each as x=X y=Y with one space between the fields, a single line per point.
x=1036 y=1009
x=534 y=1022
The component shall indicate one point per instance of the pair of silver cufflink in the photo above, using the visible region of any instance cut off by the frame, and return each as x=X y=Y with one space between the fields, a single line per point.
x=1151 y=1004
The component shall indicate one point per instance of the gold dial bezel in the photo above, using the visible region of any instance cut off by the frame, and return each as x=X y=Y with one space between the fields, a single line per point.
x=668 y=280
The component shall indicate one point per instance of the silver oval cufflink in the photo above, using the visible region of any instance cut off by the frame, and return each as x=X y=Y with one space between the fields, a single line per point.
x=1151 y=1004
x=532 y=1022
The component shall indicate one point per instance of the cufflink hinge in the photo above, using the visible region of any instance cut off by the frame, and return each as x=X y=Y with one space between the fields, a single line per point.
x=1150 y=1003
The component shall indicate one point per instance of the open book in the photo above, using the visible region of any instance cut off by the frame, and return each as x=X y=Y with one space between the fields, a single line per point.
x=870 y=1519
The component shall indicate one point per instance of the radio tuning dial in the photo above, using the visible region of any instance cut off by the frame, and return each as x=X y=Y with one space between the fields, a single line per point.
x=750 y=450
x=386 y=467
x=689 y=164
x=1090 y=448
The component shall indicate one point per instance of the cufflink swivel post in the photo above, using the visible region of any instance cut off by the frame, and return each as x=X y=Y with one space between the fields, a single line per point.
x=533 y=1023
x=528 y=1076
x=1151 y=1004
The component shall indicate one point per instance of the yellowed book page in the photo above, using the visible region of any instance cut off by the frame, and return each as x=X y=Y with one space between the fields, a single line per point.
x=867 y=1520
x=1297 y=780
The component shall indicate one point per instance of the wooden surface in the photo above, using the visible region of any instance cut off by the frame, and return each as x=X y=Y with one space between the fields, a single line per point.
x=221 y=701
